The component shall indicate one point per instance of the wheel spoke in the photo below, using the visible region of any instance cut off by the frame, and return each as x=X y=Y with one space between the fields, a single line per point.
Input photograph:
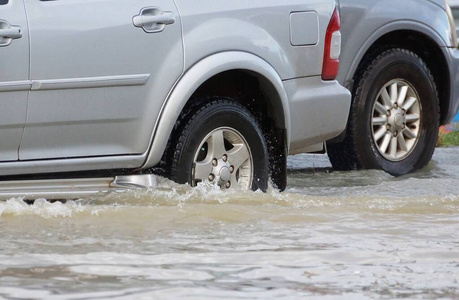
x=409 y=103
x=238 y=155
x=202 y=170
x=409 y=134
x=378 y=121
x=393 y=93
x=393 y=147
x=217 y=144
x=385 y=143
x=402 y=95
x=402 y=142
x=380 y=133
x=380 y=108
x=411 y=118
x=386 y=98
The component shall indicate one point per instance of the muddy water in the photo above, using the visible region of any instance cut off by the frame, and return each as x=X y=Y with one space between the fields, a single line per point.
x=331 y=235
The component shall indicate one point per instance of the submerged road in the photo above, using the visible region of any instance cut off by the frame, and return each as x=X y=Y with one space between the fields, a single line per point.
x=331 y=235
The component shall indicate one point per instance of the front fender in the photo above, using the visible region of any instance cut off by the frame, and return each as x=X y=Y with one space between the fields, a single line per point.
x=364 y=22
x=193 y=79
x=388 y=28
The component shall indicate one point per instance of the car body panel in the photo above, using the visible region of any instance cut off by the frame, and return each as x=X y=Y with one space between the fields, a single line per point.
x=70 y=165
x=440 y=3
x=454 y=4
x=260 y=27
x=453 y=62
x=14 y=84
x=98 y=81
x=323 y=108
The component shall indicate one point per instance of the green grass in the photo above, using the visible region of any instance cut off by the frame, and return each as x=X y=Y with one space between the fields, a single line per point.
x=449 y=140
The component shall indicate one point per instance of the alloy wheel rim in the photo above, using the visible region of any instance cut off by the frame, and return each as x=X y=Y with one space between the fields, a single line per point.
x=224 y=158
x=396 y=120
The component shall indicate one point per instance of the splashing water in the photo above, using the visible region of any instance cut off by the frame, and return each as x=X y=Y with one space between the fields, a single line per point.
x=355 y=235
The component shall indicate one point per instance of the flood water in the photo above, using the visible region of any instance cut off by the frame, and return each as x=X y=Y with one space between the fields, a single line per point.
x=331 y=235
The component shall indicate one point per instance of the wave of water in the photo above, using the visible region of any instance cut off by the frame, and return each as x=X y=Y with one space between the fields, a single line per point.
x=376 y=198
x=356 y=235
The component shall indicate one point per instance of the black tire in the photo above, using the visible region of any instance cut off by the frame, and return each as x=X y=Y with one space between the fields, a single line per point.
x=359 y=149
x=213 y=114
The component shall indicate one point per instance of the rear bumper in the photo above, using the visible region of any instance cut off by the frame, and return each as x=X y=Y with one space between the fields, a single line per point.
x=319 y=111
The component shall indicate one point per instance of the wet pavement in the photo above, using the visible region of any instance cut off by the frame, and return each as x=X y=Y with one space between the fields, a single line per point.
x=331 y=235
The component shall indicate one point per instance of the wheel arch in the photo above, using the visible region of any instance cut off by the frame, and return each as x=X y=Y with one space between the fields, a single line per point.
x=200 y=76
x=418 y=38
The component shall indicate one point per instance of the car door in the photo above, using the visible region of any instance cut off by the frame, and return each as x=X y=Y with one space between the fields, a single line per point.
x=101 y=70
x=14 y=76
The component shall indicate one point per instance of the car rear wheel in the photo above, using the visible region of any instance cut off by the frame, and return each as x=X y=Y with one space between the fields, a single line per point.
x=394 y=118
x=221 y=143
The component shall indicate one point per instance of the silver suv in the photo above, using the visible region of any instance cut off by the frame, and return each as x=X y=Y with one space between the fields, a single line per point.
x=401 y=62
x=195 y=90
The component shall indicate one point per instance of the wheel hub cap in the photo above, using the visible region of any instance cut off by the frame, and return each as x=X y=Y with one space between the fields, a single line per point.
x=396 y=120
x=224 y=158
x=222 y=170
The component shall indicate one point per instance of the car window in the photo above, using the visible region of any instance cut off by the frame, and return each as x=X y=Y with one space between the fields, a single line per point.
x=2 y=2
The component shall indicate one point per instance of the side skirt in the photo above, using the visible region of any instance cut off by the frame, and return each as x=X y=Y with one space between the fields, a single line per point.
x=66 y=189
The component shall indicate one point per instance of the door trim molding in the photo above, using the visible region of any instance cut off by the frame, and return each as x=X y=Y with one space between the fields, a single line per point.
x=90 y=82
x=12 y=86
x=75 y=83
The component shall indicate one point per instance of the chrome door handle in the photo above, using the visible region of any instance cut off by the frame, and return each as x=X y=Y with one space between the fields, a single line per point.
x=166 y=19
x=8 y=33
x=14 y=32
x=153 y=19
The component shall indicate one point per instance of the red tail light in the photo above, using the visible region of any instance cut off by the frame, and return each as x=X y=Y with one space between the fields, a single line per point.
x=332 y=48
